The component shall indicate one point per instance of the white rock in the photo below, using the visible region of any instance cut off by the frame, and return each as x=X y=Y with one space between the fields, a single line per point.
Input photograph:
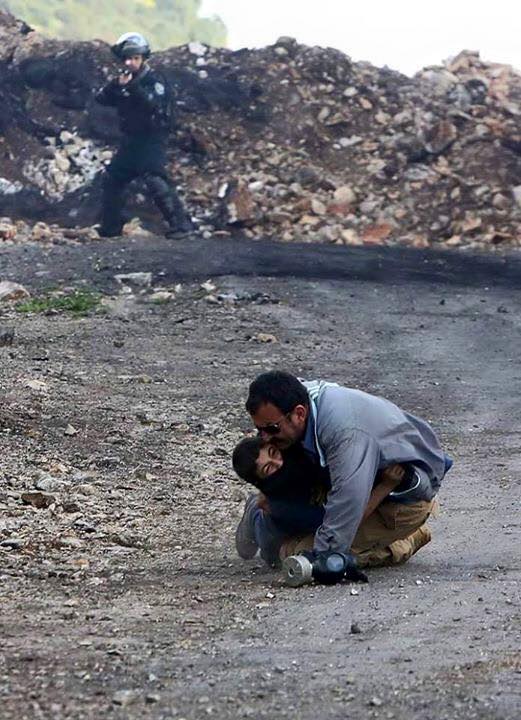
x=141 y=279
x=37 y=385
x=9 y=188
x=197 y=48
x=62 y=163
x=208 y=286
x=12 y=291
x=124 y=697
x=318 y=207
x=516 y=192
x=345 y=194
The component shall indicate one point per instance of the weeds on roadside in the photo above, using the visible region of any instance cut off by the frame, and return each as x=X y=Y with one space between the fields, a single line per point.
x=79 y=302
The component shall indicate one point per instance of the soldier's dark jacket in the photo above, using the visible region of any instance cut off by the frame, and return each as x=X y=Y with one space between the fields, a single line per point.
x=143 y=104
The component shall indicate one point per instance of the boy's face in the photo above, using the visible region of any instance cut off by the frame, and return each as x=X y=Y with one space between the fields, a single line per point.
x=269 y=461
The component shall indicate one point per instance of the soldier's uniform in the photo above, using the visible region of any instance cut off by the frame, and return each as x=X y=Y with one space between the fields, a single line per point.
x=144 y=109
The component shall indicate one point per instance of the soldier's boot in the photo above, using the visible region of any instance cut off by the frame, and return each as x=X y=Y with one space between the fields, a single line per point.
x=170 y=206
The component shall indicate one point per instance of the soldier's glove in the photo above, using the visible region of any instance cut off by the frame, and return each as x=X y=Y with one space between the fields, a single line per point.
x=330 y=567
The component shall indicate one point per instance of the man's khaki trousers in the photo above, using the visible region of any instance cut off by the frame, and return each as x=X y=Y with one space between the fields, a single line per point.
x=389 y=536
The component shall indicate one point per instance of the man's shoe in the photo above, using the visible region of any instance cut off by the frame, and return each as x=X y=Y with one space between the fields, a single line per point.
x=402 y=550
x=419 y=538
x=108 y=232
x=180 y=229
x=178 y=234
x=245 y=541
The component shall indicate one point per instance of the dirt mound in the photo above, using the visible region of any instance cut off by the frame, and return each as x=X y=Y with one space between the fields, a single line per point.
x=293 y=142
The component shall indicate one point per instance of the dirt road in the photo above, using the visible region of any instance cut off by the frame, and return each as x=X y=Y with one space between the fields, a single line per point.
x=124 y=598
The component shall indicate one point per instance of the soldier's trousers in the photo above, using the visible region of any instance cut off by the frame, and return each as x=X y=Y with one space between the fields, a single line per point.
x=141 y=157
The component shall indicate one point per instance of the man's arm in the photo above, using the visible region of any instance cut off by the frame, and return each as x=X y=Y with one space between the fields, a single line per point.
x=110 y=94
x=391 y=477
x=353 y=458
x=154 y=97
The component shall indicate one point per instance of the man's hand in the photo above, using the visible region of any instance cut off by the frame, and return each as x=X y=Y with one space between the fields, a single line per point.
x=124 y=77
x=262 y=503
x=389 y=479
x=393 y=474
x=330 y=567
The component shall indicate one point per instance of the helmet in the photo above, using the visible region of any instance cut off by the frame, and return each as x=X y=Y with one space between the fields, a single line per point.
x=131 y=43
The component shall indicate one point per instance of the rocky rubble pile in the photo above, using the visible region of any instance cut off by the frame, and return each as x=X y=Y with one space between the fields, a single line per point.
x=291 y=142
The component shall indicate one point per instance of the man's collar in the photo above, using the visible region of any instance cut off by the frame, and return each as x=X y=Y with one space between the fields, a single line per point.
x=308 y=441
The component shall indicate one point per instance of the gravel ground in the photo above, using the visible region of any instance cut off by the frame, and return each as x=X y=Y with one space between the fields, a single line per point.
x=124 y=596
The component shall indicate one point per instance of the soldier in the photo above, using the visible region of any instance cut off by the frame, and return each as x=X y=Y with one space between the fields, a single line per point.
x=143 y=101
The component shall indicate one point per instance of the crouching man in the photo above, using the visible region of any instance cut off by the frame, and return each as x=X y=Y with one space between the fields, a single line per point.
x=354 y=436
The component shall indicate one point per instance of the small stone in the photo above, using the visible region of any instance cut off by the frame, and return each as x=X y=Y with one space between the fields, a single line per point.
x=265 y=338
x=12 y=543
x=238 y=205
x=7 y=231
x=86 y=489
x=208 y=286
x=124 y=698
x=318 y=207
x=48 y=483
x=62 y=163
x=37 y=385
x=355 y=629
x=71 y=542
x=66 y=137
x=152 y=698
x=516 y=192
x=376 y=702
x=161 y=296
x=439 y=137
x=70 y=506
x=6 y=336
x=139 y=279
x=376 y=234
x=70 y=430
x=12 y=291
x=41 y=231
x=38 y=499
x=344 y=195
x=197 y=48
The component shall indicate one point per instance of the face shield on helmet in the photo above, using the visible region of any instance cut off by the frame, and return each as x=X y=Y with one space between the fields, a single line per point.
x=129 y=44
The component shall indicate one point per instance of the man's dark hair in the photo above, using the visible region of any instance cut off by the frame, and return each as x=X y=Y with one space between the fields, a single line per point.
x=279 y=388
x=245 y=457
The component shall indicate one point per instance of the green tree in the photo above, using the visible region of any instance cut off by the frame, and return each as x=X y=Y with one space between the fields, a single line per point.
x=165 y=23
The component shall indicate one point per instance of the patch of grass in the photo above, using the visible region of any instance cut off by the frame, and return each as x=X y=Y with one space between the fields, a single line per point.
x=79 y=302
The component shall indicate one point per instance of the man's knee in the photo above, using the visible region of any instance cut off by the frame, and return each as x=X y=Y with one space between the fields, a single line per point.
x=157 y=185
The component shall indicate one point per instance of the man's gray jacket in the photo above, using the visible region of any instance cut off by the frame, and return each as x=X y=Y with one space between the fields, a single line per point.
x=356 y=434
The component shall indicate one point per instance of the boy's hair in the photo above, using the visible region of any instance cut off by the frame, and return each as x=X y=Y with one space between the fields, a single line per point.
x=244 y=459
x=280 y=388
